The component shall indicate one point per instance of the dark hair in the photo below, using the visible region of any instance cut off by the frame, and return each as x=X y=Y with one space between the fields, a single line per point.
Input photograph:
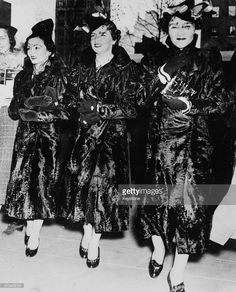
x=48 y=42
x=165 y=20
x=115 y=33
x=11 y=37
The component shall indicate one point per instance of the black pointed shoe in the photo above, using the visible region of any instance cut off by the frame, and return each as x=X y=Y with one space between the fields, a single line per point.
x=154 y=268
x=31 y=252
x=83 y=251
x=94 y=263
x=176 y=288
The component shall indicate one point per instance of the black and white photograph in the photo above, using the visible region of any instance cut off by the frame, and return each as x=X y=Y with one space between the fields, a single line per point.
x=117 y=145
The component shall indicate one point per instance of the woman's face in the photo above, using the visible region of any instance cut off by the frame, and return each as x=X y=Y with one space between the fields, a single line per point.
x=101 y=40
x=37 y=51
x=181 y=32
x=4 y=41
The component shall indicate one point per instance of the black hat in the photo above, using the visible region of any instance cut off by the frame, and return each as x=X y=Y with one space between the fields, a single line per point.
x=43 y=29
x=99 y=17
x=94 y=22
x=11 y=29
x=190 y=10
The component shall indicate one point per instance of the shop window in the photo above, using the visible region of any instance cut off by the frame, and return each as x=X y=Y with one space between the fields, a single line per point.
x=232 y=30
x=216 y=9
x=232 y=10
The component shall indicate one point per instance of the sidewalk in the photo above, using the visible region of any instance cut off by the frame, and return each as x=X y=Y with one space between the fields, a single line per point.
x=123 y=267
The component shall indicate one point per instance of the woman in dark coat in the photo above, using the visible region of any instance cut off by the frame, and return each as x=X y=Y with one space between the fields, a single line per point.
x=11 y=62
x=188 y=88
x=37 y=103
x=104 y=87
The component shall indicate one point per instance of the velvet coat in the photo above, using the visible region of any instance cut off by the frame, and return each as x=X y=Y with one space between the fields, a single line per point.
x=35 y=169
x=99 y=160
x=179 y=150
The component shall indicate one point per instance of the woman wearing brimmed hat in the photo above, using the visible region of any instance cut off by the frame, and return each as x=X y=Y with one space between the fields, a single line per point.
x=187 y=89
x=11 y=62
x=105 y=87
x=37 y=104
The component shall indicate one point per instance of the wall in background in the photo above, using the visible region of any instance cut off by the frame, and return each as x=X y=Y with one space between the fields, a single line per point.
x=26 y=13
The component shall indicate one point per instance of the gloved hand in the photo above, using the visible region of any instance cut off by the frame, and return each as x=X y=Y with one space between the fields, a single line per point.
x=179 y=103
x=173 y=64
x=43 y=103
x=88 y=106
x=88 y=119
x=28 y=115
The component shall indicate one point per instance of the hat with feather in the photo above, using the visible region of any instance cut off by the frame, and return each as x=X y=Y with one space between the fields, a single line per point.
x=189 y=10
x=93 y=21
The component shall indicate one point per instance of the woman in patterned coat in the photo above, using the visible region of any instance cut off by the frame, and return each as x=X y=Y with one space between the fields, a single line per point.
x=187 y=89
x=11 y=62
x=37 y=104
x=104 y=87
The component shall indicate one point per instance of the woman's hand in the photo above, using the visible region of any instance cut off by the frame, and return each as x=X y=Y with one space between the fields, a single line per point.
x=28 y=115
x=88 y=119
x=43 y=103
x=88 y=106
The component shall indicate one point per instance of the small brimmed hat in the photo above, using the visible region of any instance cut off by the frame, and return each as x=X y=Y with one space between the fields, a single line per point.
x=189 y=10
x=43 y=29
x=93 y=21
x=11 y=29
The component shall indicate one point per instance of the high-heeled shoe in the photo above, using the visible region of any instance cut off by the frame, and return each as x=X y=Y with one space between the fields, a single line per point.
x=176 y=288
x=83 y=251
x=154 y=268
x=94 y=263
x=31 y=252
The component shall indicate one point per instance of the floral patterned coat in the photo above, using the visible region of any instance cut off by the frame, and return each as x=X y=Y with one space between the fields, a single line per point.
x=179 y=151
x=35 y=169
x=99 y=160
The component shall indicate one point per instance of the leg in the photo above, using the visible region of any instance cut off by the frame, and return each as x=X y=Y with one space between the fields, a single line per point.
x=177 y=272
x=94 y=245
x=29 y=227
x=83 y=249
x=159 y=249
x=13 y=225
x=35 y=228
x=88 y=230
x=156 y=262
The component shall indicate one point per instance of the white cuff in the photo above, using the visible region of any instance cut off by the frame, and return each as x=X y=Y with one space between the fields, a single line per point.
x=163 y=73
x=188 y=104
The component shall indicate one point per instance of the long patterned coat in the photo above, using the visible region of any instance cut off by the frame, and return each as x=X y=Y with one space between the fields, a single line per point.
x=99 y=160
x=179 y=152
x=35 y=169
x=10 y=64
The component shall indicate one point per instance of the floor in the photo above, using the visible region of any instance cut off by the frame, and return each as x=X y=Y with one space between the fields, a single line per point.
x=123 y=267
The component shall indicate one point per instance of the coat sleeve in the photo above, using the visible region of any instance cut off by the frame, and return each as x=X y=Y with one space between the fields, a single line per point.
x=13 y=109
x=128 y=91
x=18 y=99
x=130 y=94
x=212 y=98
